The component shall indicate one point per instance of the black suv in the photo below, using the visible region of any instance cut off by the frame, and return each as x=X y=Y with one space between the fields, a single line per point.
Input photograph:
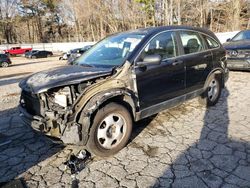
x=4 y=60
x=122 y=79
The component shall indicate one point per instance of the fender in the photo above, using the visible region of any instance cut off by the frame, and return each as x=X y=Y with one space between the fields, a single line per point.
x=97 y=100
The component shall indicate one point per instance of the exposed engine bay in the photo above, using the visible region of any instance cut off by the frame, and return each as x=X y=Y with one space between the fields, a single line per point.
x=54 y=106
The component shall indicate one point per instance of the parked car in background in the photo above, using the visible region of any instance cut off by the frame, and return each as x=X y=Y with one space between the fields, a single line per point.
x=27 y=54
x=122 y=79
x=77 y=53
x=64 y=56
x=17 y=50
x=238 y=51
x=39 y=54
x=4 y=60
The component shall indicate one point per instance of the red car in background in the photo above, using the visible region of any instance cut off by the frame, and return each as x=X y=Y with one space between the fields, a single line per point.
x=17 y=50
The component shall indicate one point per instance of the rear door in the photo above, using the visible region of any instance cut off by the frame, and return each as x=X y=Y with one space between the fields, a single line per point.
x=158 y=83
x=197 y=58
x=219 y=54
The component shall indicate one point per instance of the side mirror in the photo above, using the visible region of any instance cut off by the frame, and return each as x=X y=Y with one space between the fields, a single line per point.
x=228 y=40
x=150 y=60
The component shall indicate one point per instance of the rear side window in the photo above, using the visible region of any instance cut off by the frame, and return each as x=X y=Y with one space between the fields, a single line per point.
x=163 y=44
x=211 y=42
x=191 y=42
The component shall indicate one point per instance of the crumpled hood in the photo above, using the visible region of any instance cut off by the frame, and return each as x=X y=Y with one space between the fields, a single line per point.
x=244 y=44
x=61 y=76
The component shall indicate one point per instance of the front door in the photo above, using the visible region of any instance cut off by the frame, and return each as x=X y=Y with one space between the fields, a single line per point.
x=158 y=83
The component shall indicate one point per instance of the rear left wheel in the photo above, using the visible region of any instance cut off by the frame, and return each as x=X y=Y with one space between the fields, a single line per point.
x=110 y=131
x=213 y=90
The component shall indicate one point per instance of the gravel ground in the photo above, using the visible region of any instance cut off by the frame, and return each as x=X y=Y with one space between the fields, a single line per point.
x=186 y=146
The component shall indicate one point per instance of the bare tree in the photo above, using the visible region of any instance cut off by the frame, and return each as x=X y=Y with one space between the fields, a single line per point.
x=91 y=20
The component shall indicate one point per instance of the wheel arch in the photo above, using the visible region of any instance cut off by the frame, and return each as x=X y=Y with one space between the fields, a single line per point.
x=217 y=71
x=86 y=115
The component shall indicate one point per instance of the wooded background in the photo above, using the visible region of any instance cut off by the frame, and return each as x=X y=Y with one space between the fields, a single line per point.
x=30 y=21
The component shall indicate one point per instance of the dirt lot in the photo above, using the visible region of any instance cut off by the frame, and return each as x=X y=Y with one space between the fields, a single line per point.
x=187 y=146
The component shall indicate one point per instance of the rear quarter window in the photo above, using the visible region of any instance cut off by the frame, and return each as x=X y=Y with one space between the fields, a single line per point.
x=211 y=43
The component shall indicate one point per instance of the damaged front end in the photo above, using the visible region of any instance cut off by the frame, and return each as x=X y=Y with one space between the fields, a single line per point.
x=48 y=112
x=64 y=111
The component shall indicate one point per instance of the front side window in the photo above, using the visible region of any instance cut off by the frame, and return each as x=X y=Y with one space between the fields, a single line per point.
x=111 y=51
x=163 y=44
x=191 y=42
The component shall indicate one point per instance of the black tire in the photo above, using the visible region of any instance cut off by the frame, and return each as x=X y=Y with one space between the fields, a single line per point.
x=100 y=146
x=4 y=64
x=213 y=90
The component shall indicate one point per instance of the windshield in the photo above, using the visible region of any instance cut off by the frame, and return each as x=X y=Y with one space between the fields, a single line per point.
x=243 y=35
x=111 y=51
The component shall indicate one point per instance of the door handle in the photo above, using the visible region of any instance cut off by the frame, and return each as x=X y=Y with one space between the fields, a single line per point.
x=208 y=55
x=177 y=62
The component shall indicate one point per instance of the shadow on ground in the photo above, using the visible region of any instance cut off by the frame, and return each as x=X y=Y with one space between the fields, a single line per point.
x=215 y=160
x=26 y=149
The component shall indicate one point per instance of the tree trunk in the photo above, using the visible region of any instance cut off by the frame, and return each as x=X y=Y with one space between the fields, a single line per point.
x=201 y=12
x=236 y=15
x=179 y=12
x=28 y=26
x=171 y=12
x=166 y=15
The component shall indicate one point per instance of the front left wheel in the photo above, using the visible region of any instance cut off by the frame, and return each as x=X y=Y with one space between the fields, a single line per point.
x=110 y=131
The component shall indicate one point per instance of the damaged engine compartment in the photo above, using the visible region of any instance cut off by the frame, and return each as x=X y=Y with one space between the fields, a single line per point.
x=54 y=106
